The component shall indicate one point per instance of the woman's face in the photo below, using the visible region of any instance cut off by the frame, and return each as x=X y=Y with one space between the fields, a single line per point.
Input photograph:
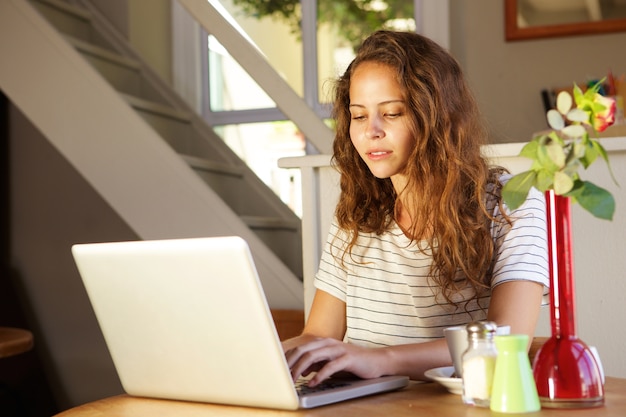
x=379 y=125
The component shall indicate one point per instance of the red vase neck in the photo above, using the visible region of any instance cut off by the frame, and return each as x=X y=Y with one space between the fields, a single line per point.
x=561 y=259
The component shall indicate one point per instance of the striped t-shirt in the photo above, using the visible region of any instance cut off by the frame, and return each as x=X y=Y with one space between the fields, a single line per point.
x=389 y=297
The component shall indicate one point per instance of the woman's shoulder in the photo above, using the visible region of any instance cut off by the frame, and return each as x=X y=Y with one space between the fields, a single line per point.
x=534 y=199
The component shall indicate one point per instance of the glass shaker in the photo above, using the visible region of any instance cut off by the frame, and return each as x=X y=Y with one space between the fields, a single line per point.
x=479 y=362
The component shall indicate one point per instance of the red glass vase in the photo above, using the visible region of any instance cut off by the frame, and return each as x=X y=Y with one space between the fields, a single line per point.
x=565 y=370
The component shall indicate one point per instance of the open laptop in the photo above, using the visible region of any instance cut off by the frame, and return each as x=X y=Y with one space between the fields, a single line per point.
x=187 y=319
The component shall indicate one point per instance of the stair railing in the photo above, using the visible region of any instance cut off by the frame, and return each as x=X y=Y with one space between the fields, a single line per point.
x=216 y=21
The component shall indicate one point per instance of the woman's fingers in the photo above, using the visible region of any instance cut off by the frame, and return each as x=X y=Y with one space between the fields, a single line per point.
x=328 y=357
x=313 y=356
x=329 y=369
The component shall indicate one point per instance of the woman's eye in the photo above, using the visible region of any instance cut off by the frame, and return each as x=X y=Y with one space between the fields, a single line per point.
x=358 y=117
x=393 y=115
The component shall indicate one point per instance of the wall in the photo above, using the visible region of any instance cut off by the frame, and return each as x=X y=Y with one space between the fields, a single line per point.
x=53 y=207
x=153 y=37
x=507 y=77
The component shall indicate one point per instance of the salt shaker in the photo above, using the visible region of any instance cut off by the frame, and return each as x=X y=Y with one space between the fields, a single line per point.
x=479 y=361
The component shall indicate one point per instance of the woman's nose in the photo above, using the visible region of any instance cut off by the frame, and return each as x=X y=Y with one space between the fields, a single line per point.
x=374 y=128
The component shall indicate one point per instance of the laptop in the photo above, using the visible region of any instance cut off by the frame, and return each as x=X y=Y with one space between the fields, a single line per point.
x=187 y=319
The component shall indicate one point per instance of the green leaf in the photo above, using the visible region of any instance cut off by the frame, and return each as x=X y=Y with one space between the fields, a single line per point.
x=563 y=183
x=516 y=190
x=578 y=93
x=555 y=119
x=591 y=153
x=563 y=103
x=594 y=199
x=578 y=115
x=530 y=149
x=553 y=136
x=551 y=156
x=544 y=180
x=571 y=169
x=575 y=152
x=598 y=107
x=574 y=131
x=593 y=89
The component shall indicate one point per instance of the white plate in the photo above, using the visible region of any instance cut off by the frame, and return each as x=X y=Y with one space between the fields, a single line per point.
x=444 y=377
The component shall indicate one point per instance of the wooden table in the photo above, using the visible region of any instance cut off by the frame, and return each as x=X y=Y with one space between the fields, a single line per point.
x=416 y=400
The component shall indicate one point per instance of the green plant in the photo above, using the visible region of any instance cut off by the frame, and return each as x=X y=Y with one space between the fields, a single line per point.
x=558 y=154
x=354 y=19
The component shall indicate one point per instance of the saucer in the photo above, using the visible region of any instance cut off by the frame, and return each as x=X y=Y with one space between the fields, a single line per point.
x=444 y=377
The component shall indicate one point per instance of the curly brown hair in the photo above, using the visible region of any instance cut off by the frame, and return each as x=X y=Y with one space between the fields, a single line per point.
x=448 y=176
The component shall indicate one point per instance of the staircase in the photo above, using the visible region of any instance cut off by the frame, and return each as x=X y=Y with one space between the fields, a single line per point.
x=156 y=162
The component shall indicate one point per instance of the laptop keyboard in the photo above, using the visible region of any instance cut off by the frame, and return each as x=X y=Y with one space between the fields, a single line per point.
x=303 y=389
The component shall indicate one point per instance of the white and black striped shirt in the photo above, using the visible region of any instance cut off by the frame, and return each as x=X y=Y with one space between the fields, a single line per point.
x=389 y=297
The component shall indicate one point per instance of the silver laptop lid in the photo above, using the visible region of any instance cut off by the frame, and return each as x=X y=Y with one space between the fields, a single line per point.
x=187 y=319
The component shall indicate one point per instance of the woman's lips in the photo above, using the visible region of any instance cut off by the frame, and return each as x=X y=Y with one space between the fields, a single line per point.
x=377 y=155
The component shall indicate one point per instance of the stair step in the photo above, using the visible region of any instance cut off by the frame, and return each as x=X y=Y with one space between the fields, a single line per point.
x=173 y=125
x=271 y=223
x=123 y=73
x=281 y=236
x=67 y=8
x=201 y=164
x=162 y=110
x=230 y=183
x=70 y=20
x=226 y=180
x=103 y=53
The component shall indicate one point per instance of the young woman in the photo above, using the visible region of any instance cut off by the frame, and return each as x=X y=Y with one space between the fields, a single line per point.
x=421 y=240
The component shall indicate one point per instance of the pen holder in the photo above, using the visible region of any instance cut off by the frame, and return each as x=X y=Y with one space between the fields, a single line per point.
x=514 y=389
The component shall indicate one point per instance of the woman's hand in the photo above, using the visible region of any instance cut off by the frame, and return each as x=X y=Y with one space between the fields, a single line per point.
x=328 y=356
x=320 y=349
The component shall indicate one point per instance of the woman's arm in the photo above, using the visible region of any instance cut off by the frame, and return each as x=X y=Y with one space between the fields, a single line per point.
x=327 y=319
x=517 y=304
x=329 y=356
x=321 y=348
